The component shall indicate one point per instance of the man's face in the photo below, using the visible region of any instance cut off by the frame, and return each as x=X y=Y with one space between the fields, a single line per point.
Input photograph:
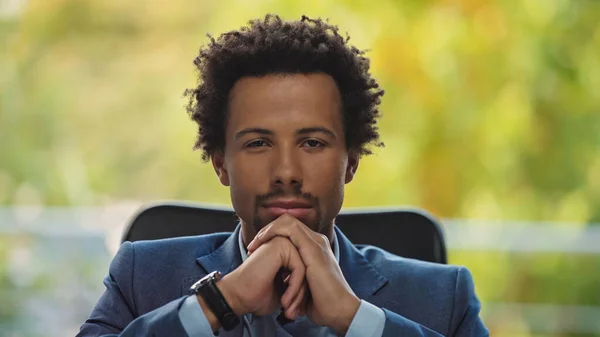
x=285 y=150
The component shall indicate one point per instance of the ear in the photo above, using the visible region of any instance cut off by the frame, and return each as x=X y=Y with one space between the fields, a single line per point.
x=352 y=166
x=218 y=161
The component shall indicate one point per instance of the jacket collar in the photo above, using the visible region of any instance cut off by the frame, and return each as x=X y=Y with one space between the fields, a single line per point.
x=361 y=275
x=225 y=258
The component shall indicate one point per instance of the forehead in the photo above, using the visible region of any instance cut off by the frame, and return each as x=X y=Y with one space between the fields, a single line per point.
x=285 y=101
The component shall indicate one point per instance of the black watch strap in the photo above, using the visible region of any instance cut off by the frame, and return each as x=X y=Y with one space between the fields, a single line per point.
x=213 y=297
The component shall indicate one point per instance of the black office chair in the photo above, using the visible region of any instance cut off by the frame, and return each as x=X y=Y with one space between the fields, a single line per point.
x=405 y=232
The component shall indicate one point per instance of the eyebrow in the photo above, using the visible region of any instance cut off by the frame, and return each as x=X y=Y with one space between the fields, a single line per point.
x=267 y=132
x=253 y=130
x=316 y=129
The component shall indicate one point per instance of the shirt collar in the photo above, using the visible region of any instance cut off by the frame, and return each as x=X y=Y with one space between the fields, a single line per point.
x=244 y=252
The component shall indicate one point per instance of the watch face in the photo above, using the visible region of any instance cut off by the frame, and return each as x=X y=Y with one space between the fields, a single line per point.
x=206 y=288
x=215 y=275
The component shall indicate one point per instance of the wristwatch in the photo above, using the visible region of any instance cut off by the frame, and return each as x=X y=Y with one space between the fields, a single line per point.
x=207 y=288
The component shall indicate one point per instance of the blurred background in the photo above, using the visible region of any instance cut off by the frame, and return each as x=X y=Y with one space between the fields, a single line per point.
x=491 y=121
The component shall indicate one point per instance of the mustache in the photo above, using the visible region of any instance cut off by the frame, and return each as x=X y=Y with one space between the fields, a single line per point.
x=280 y=193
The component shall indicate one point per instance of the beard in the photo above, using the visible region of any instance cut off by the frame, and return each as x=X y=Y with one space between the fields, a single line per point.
x=259 y=222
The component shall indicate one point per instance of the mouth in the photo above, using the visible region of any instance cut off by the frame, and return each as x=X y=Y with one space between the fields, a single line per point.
x=294 y=207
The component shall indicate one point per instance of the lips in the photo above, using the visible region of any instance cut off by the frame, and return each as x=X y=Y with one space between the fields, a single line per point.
x=294 y=207
x=291 y=203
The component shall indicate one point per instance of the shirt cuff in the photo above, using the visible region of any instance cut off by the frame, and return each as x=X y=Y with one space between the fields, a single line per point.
x=369 y=321
x=193 y=319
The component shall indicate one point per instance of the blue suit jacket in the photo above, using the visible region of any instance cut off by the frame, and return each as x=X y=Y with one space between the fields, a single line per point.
x=149 y=280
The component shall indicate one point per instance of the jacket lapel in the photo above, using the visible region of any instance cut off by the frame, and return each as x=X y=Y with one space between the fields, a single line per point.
x=225 y=258
x=360 y=274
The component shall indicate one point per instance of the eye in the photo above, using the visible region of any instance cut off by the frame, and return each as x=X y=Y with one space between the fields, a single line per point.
x=312 y=143
x=257 y=143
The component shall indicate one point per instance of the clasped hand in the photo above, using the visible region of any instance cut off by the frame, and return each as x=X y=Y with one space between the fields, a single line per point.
x=316 y=286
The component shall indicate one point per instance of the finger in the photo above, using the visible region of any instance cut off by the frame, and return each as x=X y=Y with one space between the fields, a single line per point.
x=296 y=278
x=285 y=226
x=294 y=309
x=297 y=300
x=260 y=238
x=255 y=243
x=309 y=244
x=295 y=285
x=291 y=314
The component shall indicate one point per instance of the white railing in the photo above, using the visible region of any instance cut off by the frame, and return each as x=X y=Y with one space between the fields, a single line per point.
x=526 y=237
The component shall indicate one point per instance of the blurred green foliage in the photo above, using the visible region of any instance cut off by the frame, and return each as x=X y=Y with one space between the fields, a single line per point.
x=492 y=111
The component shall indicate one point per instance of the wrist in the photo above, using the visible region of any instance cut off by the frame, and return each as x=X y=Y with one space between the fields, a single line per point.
x=227 y=288
x=217 y=300
x=347 y=312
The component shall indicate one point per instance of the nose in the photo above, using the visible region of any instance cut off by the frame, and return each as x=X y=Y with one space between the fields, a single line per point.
x=287 y=169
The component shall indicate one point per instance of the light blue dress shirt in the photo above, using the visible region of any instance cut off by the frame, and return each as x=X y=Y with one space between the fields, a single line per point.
x=369 y=320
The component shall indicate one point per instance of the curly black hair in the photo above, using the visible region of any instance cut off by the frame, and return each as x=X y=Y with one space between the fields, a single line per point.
x=273 y=46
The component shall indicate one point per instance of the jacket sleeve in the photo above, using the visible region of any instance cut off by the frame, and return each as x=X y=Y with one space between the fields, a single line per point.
x=465 y=321
x=115 y=314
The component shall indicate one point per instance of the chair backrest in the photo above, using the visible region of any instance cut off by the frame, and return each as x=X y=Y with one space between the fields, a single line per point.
x=406 y=232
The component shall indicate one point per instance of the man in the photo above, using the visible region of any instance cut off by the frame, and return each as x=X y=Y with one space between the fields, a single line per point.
x=285 y=111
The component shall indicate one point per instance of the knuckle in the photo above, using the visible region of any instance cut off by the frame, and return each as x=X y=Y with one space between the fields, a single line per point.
x=272 y=244
x=278 y=240
x=287 y=217
x=324 y=240
x=282 y=243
